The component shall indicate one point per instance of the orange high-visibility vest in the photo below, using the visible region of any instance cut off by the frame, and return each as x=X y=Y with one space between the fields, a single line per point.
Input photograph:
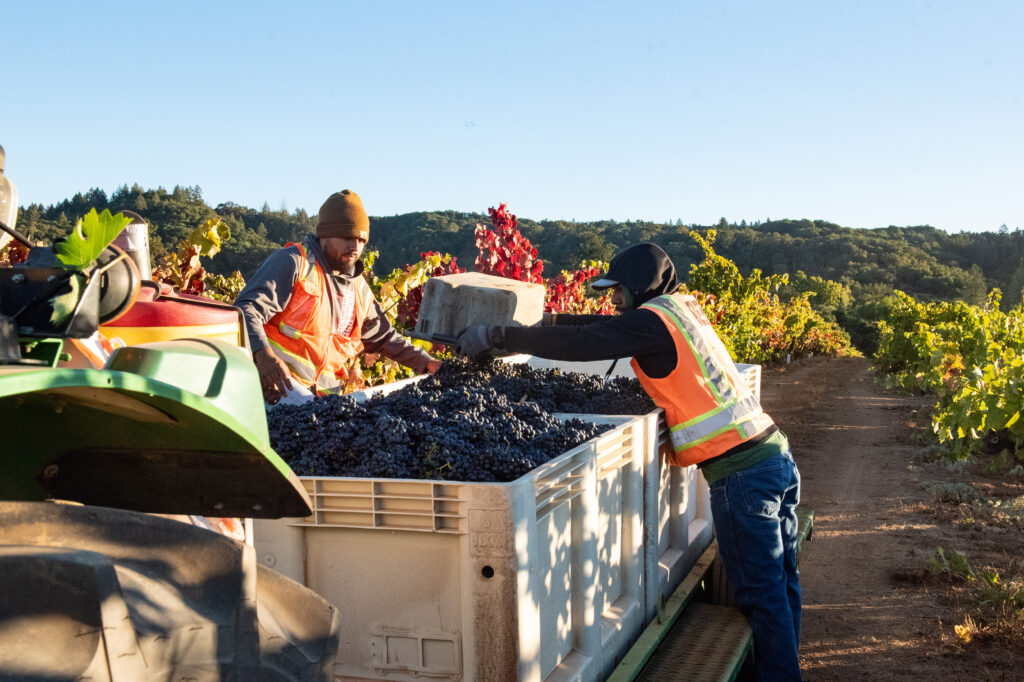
x=303 y=334
x=708 y=407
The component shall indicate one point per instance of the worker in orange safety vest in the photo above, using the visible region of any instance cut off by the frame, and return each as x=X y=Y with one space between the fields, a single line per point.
x=308 y=310
x=715 y=422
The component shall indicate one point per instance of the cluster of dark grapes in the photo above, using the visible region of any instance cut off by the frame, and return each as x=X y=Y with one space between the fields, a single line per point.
x=468 y=422
x=552 y=389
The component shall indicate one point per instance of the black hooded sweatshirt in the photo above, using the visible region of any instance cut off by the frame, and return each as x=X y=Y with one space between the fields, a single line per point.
x=648 y=272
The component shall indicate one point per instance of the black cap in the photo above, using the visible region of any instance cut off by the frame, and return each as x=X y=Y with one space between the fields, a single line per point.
x=645 y=269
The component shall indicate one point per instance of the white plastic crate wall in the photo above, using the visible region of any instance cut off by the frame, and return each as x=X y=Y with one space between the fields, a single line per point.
x=677 y=510
x=541 y=578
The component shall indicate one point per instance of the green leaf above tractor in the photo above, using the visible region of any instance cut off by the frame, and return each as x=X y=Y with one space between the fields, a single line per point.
x=93 y=233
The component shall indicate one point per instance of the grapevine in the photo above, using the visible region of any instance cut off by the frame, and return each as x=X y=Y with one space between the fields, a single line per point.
x=504 y=252
x=969 y=357
x=184 y=271
x=568 y=292
x=13 y=253
x=750 y=318
x=400 y=294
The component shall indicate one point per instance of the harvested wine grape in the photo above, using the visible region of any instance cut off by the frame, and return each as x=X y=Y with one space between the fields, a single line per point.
x=469 y=421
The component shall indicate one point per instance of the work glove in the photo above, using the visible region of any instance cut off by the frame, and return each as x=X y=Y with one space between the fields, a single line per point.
x=473 y=342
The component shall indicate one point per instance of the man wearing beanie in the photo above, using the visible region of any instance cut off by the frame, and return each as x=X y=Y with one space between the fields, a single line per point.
x=308 y=309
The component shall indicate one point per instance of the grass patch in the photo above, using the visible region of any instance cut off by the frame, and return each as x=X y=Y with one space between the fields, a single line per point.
x=986 y=607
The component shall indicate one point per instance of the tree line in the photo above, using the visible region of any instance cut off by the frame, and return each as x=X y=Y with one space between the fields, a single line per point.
x=852 y=270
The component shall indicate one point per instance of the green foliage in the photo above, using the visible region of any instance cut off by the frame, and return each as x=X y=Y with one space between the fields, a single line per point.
x=827 y=297
x=90 y=236
x=210 y=236
x=955 y=566
x=954 y=493
x=395 y=287
x=750 y=318
x=394 y=291
x=997 y=605
x=224 y=288
x=970 y=357
x=570 y=291
x=719 y=276
x=923 y=261
x=184 y=271
x=924 y=345
x=996 y=593
x=64 y=304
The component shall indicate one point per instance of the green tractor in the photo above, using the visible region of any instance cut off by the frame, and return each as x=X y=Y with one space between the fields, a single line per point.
x=103 y=471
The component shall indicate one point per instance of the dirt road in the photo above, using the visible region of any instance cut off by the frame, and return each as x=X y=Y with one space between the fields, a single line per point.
x=868 y=614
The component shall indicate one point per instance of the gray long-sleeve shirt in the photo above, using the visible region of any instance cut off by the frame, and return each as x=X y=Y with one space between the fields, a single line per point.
x=268 y=291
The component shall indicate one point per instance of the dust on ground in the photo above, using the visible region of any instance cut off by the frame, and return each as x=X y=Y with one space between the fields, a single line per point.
x=884 y=504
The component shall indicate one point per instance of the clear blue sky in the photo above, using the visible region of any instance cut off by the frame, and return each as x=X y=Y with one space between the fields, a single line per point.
x=862 y=113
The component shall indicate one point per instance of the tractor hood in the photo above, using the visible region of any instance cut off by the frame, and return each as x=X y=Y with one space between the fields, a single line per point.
x=176 y=427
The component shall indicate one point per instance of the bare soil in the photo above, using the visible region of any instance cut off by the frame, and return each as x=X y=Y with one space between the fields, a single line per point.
x=872 y=608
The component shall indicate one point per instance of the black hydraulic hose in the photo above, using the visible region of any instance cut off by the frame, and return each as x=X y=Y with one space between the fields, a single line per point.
x=17 y=235
x=51 y=287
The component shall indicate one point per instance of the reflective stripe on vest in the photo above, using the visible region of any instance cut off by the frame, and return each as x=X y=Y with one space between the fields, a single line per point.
x=301 y=368
x=718 y=412
x=708 y=351
x=739 y=415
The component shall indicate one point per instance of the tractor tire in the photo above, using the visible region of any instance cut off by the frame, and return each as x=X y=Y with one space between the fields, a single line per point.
x=91 y=593
x=720 y=590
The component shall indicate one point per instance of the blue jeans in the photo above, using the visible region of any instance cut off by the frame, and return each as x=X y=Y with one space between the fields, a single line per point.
x=754 y=513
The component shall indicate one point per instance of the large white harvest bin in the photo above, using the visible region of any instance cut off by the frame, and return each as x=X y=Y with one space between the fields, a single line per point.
x=677 y=504
x=751 y=375
x=538 y=579
x=678 y=515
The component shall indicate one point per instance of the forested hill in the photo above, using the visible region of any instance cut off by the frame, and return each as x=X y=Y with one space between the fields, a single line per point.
x=922 y=261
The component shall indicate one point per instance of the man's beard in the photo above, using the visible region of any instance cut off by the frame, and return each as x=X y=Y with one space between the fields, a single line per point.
x=343 y=267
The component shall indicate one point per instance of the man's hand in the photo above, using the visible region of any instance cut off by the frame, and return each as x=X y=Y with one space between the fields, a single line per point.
x=472 y=341
x=433 y=366
x=274 y=375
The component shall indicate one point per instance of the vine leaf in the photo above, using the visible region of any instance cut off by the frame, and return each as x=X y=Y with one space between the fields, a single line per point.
x=64 y=304
x=91 y=235
x=210 y=236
